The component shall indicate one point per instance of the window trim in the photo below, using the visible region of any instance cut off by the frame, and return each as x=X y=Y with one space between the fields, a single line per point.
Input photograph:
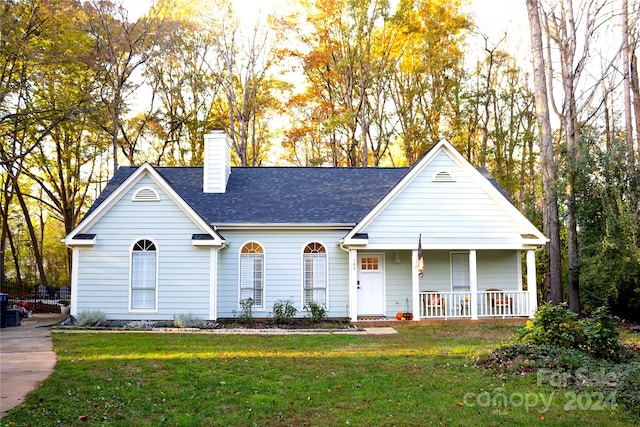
x=326 y=273
x=451 y=255
x=157 y=265
x=263 y=307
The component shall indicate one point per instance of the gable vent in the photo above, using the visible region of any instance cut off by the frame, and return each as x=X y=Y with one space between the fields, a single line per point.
x=146 y=195
x=443 y=176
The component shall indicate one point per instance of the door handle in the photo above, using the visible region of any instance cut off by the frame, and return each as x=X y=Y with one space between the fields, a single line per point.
x=358 y=284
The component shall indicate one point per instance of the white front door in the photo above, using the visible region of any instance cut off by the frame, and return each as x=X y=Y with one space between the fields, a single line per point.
x=371 y=285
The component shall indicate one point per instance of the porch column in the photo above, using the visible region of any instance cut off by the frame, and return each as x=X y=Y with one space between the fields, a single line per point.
x=531 y=282
x=213 y=284
x=75 y=257
x=473 y=284
x=519 y=269
x=415 y=285
x=353 y=285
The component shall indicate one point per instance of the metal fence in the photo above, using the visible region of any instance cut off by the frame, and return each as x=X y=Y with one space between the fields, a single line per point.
x=38 y=299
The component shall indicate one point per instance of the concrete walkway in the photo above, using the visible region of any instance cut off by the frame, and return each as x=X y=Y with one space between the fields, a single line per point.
x=26 y=358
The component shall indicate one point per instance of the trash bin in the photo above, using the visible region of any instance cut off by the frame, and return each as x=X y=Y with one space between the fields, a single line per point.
x=4 y=301
x=13 y=317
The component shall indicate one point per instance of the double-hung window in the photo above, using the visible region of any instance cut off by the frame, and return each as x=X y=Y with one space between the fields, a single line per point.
x=252 y=274
x=314 y=261
x=460 y=278
x=143 y=275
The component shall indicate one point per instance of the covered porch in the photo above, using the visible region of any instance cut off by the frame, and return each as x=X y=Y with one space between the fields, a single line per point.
x=456 y=284
x=490 y=303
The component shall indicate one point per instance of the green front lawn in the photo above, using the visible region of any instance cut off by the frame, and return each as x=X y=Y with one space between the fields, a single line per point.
x=424 y=375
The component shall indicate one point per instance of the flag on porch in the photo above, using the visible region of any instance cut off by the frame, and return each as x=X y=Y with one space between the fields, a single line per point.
x=420 y=259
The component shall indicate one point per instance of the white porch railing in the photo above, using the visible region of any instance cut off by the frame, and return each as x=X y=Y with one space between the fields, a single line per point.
x=492 y=303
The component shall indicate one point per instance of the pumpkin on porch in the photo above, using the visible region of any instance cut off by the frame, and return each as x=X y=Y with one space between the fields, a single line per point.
x=399 y=315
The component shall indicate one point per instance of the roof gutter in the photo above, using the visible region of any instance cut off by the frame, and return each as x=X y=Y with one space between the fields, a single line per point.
x=282 y=226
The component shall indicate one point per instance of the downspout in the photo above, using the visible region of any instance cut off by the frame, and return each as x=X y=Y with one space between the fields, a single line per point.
x=352 y=283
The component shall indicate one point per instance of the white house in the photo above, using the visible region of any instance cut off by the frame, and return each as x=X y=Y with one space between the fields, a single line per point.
x=161 y=241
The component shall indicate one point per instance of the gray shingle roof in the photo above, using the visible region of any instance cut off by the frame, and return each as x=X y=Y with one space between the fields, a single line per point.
x=278 y=195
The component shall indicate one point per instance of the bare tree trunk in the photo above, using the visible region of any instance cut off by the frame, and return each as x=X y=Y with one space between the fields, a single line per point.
x=608 y=134
x=635 y=88
x=547 y=159
x=566 y=40
x=37 y=254
x=627 y=78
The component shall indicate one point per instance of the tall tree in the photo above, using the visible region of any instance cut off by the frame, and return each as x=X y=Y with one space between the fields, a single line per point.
x=571 y=33
x=184 y=78
x=427 y=76
x=249 y=61
x=24 y=122
x=121 y=47
x=547 y=156
x=339 y=66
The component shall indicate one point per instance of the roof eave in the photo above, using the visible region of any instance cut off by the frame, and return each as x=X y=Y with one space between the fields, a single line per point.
x=283 y=226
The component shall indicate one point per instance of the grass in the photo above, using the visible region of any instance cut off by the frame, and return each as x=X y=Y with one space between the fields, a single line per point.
x=424 y=375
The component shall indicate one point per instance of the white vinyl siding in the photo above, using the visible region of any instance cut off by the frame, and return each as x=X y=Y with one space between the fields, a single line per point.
x=455 y=214
x=283 y=270
x=183 y=271
x=398 y=282
x=498 y=270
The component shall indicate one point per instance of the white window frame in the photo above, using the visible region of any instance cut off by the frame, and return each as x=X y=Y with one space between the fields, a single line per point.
x=132 y=287
x=325 y=275
x=467 y=271
x=241 y=272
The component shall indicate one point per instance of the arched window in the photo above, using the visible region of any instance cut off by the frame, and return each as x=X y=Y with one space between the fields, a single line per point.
x=143 y=275
x=314 y=260
x=252 y=274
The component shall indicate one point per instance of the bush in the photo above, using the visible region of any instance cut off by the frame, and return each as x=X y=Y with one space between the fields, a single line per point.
x=317 y=312
x=246 y=310
x=557 y=326
x=283 y=312
x=91 y=318
x=601 y=336
x=553 y=325
x=188 y=321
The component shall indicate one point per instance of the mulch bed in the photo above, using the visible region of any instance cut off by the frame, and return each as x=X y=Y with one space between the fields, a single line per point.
x=296 y=323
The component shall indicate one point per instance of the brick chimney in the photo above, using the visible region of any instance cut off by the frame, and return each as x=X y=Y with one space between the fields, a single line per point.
x=217 y=162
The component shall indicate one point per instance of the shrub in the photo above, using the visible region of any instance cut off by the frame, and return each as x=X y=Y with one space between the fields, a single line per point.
x=188 y=320
x=245 y=315
x=601 y=336
x=91 y=318
x=557 y=326
x=283 y=311
x=317 y=312
x=553 y=325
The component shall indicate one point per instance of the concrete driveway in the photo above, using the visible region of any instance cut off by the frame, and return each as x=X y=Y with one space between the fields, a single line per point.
x=26 y=358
